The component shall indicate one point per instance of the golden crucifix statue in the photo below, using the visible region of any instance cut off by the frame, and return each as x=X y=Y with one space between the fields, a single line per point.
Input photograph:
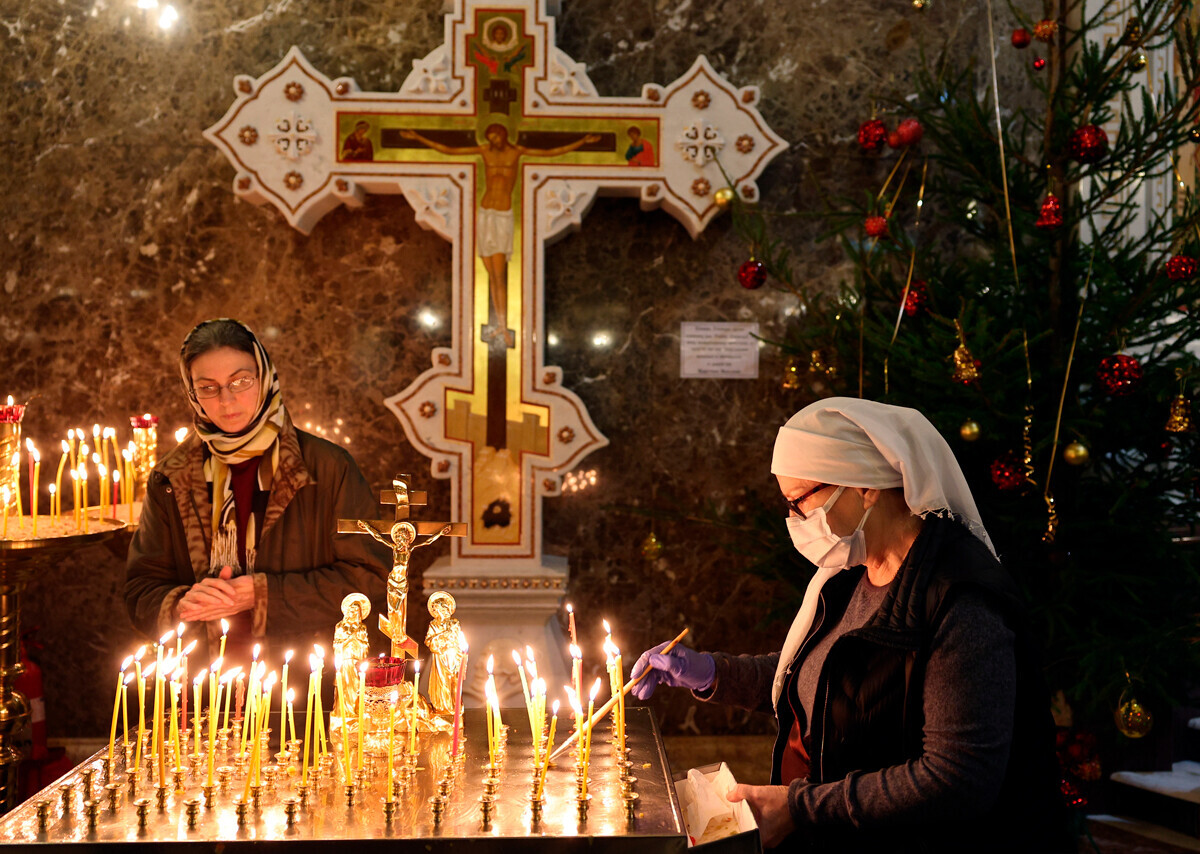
x=400 y=535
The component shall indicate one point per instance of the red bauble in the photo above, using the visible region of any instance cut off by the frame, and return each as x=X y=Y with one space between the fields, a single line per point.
x=910 y=131
x=1088 y=143
x=893 y=139
x=1044 y=30
x=1020 y=38
x=1038 y=63
x=1051 y=213
x=1180 y=267
x=872 y=134
x=876 y=226
x=752 y=274
x=918 y=296
x=1007 y=472
x=1120 y=375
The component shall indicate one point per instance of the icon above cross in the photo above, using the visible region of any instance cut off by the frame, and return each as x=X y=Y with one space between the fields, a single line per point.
x=400 y=535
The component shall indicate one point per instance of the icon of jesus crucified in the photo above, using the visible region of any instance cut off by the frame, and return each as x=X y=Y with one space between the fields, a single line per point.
x=494 y=222
x=401 y=539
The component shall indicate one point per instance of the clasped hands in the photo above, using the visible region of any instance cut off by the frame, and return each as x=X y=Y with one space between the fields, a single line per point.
x=217 y=596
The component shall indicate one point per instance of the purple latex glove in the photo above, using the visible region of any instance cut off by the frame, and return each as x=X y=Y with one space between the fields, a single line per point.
x=679 y=668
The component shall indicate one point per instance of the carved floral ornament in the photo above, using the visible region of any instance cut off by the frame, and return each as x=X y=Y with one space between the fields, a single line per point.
x=745 y=143
x=701 y=99
x=701 y=187
x=700 y=143
x=293 y=180
x=293 y=91
x=248 y=135
x=566 y=435
x=427 y=409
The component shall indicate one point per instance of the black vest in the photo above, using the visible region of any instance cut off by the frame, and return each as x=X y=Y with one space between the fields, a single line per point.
x=868 y=712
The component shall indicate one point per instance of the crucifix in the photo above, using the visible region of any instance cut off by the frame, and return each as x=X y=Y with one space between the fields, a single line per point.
x=400 y=535
x=500 y=143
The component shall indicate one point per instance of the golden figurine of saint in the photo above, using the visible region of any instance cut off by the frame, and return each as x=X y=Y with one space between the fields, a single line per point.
x=351 y=645
x=445 y=641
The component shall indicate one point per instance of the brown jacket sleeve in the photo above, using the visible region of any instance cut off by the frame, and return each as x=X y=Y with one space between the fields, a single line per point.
x=158 y=570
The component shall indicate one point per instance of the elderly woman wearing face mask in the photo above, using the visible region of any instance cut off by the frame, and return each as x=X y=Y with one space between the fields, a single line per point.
x=911 y=711
x=239 y=519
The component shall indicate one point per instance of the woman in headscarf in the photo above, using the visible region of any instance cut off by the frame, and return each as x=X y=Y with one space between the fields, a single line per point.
x=238 y=521
x=911 y=710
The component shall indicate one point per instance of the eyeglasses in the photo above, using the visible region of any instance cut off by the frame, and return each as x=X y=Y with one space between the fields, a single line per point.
x=238 y=386
x=794 y=503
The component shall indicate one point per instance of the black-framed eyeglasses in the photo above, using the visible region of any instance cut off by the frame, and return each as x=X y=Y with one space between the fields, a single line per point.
x=238 y=386
x=794 y=503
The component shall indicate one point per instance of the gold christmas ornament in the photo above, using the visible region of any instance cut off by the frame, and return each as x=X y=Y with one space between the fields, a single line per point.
x=920 y=5
x=723 y=197
x=1133 y=32
x=1076 y=454
x=1133 y=719
x=1139 y=60
x=791 y=373
x=970 y=430
x=966 y=366
x=651 y=547
x=1180 y=418
x=817 y=364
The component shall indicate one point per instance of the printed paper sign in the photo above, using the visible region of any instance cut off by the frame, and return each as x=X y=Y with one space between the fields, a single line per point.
x=727 y=351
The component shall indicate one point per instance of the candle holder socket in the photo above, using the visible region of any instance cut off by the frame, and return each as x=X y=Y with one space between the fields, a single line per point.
x=177 y=779
x=282 y=758
x=223 y=738
x=43 y=814
x=210 y=796
x=490 y=785
x=241 y=809
x=389 y=810
x=444 y=787
x=132 y=776
x=113 y=791
x=160 y=797
x=582 y=802
x=92 y=810
x=400 y=788
x=631 y=801
x=348 y=792
x=290 y=807
x=437 y=806
x=64 y=792
x=143 y=811
x=293 y=746
x=535 y=811
x=360 y=779
x=87 y=774
x=269 y=773
x=224 y=775
x=302 y=795
x=195 y=762
x=256 y=796
x=486 y=806
x=192 y=810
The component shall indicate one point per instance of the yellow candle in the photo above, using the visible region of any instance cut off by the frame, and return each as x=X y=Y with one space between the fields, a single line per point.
x=308 y=712
x=341 y=705
x=587 y=751
x=391 y=743
x=174 y=737
x=577 y=671
x=83 y=493
x=284 y=699
x=111 y=433
x=5 y=495
x=112 y=735
x=35 y=488
x=224 y=632
x=141 y=690
x=291 y=719
x=412 y=718
x=525 y=691
x=125 y=712
x=227 y=680
x=489 y=691
x=53 y=506
x=320 y=748
x=197 y=688
x=264 y=721
x=62 y=461
x=549 y=744
x=251 y=696
x=214 y=706
x=362 y=724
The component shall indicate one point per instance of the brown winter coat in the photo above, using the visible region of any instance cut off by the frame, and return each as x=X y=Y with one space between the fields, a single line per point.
x=302 y=569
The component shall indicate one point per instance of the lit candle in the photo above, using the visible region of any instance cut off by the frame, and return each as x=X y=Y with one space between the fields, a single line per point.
x=98 y=445
x=571 y=625
x=391 y=742
x=181 y=434
x=240 y=691
x=35 y=486
x=116 y=483
x=74 y=496
x=284 y=698
x=141 y=690
x=224 y=632
x=573 y=700
x=525 y=691
x=251 y=696
x=320 y=748
x=53 y=506
x=308 y=713
x=62 y=461
x=489 y=691
x=458 y=689
x=125 y=712
x=102 y=487
x=112 y=735
x=362 y=724
x=587 y=751
x=174 y=731
x=264 y=721
x=291 y=718
x=577 y=671
x=214 y=706
x=227 y=678
x=549 y=744
x=179 y=639
x=84 y=495
x=5 y=495
x=412 y=718
x=111 y=434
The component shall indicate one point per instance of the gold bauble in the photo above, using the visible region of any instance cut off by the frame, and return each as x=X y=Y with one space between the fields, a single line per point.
x=1076 y=454
x=791 y=373
x=1139 y=60
x=1133 y=719
x=819 y=363
x=920 y=4
x=723 y=197
x=1133 y=32
x=970 y=430
x=966 y=367
x=1180 y=418
x=651 y=547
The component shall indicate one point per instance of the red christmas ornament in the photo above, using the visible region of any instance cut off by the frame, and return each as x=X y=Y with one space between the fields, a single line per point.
x=1020 y=38
x=918 y=296
x=1038 y=63
x=1007 y=473
x=872 y=134
x=1050 y=216
x=1088 y=143
x=910 y=131
x=752 y=274
x=1180 y=267
x=1044 y=30
x=876 y=226
x=1120 y=375
x=893 y=139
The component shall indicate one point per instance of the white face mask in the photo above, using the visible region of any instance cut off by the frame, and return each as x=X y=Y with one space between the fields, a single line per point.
x=814 y=539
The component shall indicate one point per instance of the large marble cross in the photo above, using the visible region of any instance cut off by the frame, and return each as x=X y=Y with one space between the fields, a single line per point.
x=500 y=143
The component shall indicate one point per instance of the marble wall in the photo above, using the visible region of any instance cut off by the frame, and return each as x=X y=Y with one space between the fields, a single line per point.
x=120 y=231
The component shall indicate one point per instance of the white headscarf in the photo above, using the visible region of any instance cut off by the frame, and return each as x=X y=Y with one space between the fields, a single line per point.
x=847 y=441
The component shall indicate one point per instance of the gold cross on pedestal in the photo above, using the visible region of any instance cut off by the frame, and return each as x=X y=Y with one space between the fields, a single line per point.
x=400 y=535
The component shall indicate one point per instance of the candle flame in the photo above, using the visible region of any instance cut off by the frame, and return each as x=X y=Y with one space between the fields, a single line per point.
x=127 y=455
x=240 y=675
x=271 y=680
x=312 y=662
x=462 y=644
x=224 y=626
x=116 y=473
x=362 y=669
x=148 y=670
x=554 y=708
x=595 y=690
x=287 y=656
x=529 y=652
x=83 y=450
x=66 y=448
x=607 y=628
x=74 y=474
x=187 y=650
x=125 y=664
x=4 y=492
x=37 y=457
x=137 y=656
x=51 y=488
x=83 y=473
x=395 y=695
x=109 y=432
x=215 y=667
x=229 y=676
x=179 y=629
x=291 y=694
x=416 y=667
x=320 y=650
x=10 y=400
x=70 y=433
x=29 y=444
x=181 y=434
x=257 y=650
x=166 y=639
x=532 y=668
x=95 y=430
x=100 y=469
x=539 y=687
x=129 y=678
x=199 y=680
x=517 y=659
x=569 y=608
x=576 y=652
x=489 y=665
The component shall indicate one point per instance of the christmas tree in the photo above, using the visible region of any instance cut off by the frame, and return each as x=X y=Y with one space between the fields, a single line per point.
x=1025 y=275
